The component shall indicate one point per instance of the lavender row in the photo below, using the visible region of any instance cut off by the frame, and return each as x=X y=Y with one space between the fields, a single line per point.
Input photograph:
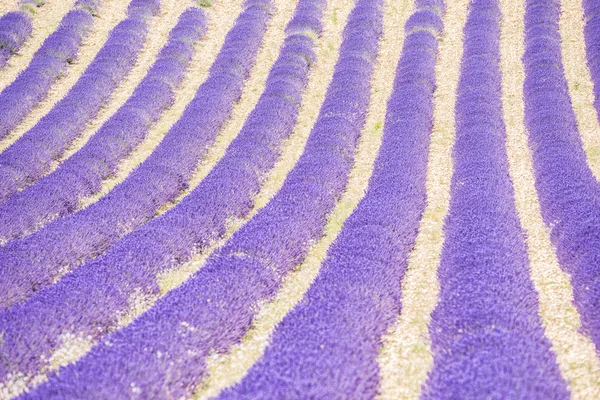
x=240 y=47
x=48 y=64
x=16 y=26
x=222 y=297
x=59 y=193
x=37 y=260
x=271 y=121
x=327 y=346
x=32 y=154
x=592 y=45
x=487 y=337
x=568 y=192
x=15 y=29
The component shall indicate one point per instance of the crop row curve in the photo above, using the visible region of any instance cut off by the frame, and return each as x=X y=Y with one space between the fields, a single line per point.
x=246 y=252
x=80 y=176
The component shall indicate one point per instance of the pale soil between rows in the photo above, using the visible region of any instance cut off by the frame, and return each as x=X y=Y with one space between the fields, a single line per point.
x=406 y=356
x=575 y=353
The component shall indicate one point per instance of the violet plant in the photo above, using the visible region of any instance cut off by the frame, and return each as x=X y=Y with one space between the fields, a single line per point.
x=327 y=346
x=15 y=29
x=49 y=62
x=37 y=260
x=569 y=194
x=486 y=333
x=59 y=193
x=30 y=157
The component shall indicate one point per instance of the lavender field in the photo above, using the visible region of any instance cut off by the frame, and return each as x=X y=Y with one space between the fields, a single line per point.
x=299 y=199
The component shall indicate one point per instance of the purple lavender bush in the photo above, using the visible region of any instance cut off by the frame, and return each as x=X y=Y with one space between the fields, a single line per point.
x=568 y=192
x=59 y=193
x=23 y=358
x=48 y=64
x=37 y=260
x=15 y=29
x=224 y=291
x=28 y=158
x=327 y=346
x=16 y=26
x=487 y=337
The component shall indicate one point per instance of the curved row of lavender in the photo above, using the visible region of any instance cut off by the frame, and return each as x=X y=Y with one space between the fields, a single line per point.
x=15 y=29
x=271 y=121
x=487 y=337
x=592 y=45
x=16 y=26
x=37 y=260
x=568 y=192
x=27 y=159
x=327 y=346
x=92 y=298
x=163 y=352
x=59 y=193
x=49 y=62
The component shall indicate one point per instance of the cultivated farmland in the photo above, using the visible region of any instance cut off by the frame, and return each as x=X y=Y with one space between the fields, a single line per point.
x=299 y=199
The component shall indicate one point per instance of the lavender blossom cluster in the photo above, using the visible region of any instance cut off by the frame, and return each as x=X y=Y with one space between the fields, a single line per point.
x=16 y=26
x=15 y=29
x=327 y=346
x=164 y=351
x=49 y=62
x=568 y=192
x=486 y=333
x=38 y=259
x=59 y=193
x=592 y=45
x=27 y=159
x=94 y=317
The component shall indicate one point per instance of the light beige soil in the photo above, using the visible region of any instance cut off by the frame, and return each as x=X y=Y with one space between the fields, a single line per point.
x=575 y=352
x=8 y=5
x=406 y=357
x=579 y=80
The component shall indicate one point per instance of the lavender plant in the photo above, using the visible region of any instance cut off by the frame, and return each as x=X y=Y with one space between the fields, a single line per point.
x=568 y=192
x=486 y=333
x=48 y=64
x=327 y=346
x=37 y=260
x=221 y=298
x=28 y=158
x=59 y=193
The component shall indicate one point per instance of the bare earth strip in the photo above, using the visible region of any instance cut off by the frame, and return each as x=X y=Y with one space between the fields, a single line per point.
x=255 y=84
x=109 y=14
x=406 y=356
x=221 y=16
x=225 y=370
x=44 y=21
x=575 y=353
x=579 y=80
x=8 y=5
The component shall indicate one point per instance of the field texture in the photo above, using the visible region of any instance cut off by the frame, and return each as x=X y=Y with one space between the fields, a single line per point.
x=299 y=199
